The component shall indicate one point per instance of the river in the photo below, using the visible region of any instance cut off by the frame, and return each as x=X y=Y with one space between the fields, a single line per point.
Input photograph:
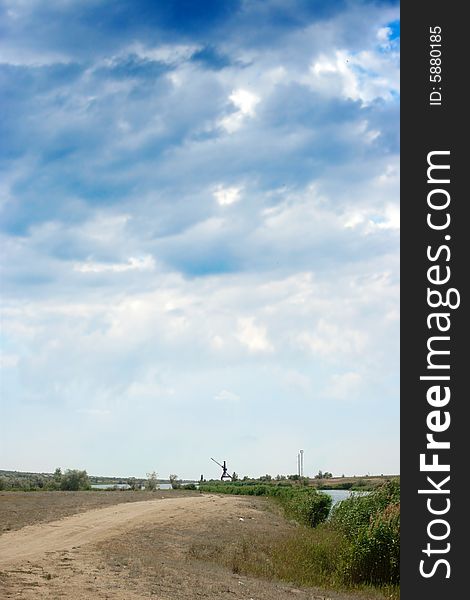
x=123 y=486
x=339 y=495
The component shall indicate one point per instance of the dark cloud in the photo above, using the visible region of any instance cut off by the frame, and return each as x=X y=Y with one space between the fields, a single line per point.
x=211 y=58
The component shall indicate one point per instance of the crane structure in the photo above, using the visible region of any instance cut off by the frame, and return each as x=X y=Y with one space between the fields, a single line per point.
x=225 y=473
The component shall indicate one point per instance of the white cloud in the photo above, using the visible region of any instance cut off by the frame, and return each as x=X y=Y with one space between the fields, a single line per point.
x=226 y=396
x=344 y=386
x=391 y=218
x=333 y=341
x=383 y=33
x=294 y=381
x=217 y=342
x=384 y=38
x=166 y=53
x=245 y=103
x=148 y=390
x=23 y=58
x=227 y=195
x=8 y=361
x=94 y=412
x=145 y=263
x=364 y=76
x=253 y=336
x=371 y=221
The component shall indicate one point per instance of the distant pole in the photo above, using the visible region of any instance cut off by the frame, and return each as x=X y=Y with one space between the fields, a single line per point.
x=298 y=464
x=301 y=463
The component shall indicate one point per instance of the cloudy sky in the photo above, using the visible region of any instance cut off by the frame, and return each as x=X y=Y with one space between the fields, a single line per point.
x=200 y=233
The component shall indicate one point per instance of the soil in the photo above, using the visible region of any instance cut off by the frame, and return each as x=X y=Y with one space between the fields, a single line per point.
x=140 y=549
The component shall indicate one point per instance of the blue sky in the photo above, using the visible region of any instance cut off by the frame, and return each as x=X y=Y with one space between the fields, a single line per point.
x=200 y=230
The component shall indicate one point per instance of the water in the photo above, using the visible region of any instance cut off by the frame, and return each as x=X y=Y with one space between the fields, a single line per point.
x=339 y=495
x=123 y=486
x=110 y=486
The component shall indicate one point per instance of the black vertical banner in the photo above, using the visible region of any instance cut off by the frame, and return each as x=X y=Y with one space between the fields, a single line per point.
x=434 y=300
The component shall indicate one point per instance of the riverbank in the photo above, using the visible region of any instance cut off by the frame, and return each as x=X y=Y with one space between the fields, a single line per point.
x=357 y=542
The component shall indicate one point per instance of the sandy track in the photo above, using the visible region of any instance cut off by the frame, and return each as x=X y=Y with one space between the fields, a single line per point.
x=36 y=541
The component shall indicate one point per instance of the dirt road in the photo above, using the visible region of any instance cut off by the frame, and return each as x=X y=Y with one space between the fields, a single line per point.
x=35 y=541
x=162 y=549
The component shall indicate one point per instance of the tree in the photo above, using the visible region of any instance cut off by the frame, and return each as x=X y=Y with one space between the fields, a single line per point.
x=234 y=476
x=325 y=475
x=133 y=484
x=175 y=483
x=152 y=481
x=73 y=480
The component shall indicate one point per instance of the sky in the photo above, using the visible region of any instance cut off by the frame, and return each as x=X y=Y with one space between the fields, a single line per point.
x=200 y=236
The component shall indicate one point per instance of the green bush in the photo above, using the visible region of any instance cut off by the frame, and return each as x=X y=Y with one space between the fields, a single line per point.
x=371 y=526
x=310 y=507
x=374 y=556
